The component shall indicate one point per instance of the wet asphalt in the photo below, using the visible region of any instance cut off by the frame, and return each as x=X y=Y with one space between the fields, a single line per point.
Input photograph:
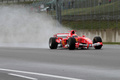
x=83 y=64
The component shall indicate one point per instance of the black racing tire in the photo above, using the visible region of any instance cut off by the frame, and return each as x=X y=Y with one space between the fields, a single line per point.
x=71 y=43
x=95 y=40
x=52 y=43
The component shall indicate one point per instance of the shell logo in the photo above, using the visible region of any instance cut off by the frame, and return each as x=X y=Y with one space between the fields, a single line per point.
x=63 y=42
x=76 y=39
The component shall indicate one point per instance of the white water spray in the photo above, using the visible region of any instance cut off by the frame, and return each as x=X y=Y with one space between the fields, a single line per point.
x=20 y=27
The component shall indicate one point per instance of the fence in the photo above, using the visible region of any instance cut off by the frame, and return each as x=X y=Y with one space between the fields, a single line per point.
x=92 y=9
x=92 y=14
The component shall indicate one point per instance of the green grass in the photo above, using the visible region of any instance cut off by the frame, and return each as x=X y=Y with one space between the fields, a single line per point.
x=117 y=43
x=92 y=24
x=103 y=9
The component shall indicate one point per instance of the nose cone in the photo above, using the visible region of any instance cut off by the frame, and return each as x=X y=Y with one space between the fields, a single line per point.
x=88 y=40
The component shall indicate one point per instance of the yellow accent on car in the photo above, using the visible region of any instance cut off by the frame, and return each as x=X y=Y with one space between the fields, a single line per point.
x=63 y=43
x=76 y=39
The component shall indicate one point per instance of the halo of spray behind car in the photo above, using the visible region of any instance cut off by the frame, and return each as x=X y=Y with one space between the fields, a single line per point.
x=21 y=27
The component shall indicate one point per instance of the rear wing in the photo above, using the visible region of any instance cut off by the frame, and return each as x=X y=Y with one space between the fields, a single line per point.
x=62 y=35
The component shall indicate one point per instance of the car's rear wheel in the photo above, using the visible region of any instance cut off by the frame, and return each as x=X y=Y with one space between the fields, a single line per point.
x=71 y=43
x=52 y=43
x=95 y=40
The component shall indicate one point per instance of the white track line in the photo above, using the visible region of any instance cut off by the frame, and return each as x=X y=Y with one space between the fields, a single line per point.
x=40 y=74
x=17 y=75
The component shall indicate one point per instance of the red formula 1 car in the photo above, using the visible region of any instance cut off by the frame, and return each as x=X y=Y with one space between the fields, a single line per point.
x=73 y=41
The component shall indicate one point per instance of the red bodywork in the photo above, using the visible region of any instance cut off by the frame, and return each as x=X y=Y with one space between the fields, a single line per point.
x=82 y=42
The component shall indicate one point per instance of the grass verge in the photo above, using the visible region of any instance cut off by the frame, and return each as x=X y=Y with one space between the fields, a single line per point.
x=116 y=43
x=92 y=24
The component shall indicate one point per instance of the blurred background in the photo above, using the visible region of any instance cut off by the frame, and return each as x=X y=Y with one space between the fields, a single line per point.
x=101 y=16
x=82 y=14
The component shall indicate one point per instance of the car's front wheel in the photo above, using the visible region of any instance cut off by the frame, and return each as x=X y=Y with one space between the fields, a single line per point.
x=71 y=43
x=95 y=40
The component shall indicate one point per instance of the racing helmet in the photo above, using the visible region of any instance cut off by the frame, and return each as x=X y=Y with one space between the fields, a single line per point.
x=73 y=32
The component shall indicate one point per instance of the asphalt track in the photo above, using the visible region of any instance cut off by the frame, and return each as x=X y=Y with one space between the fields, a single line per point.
x=60 y=64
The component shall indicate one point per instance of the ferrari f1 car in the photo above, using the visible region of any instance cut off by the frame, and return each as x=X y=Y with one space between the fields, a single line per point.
x=73 y=41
